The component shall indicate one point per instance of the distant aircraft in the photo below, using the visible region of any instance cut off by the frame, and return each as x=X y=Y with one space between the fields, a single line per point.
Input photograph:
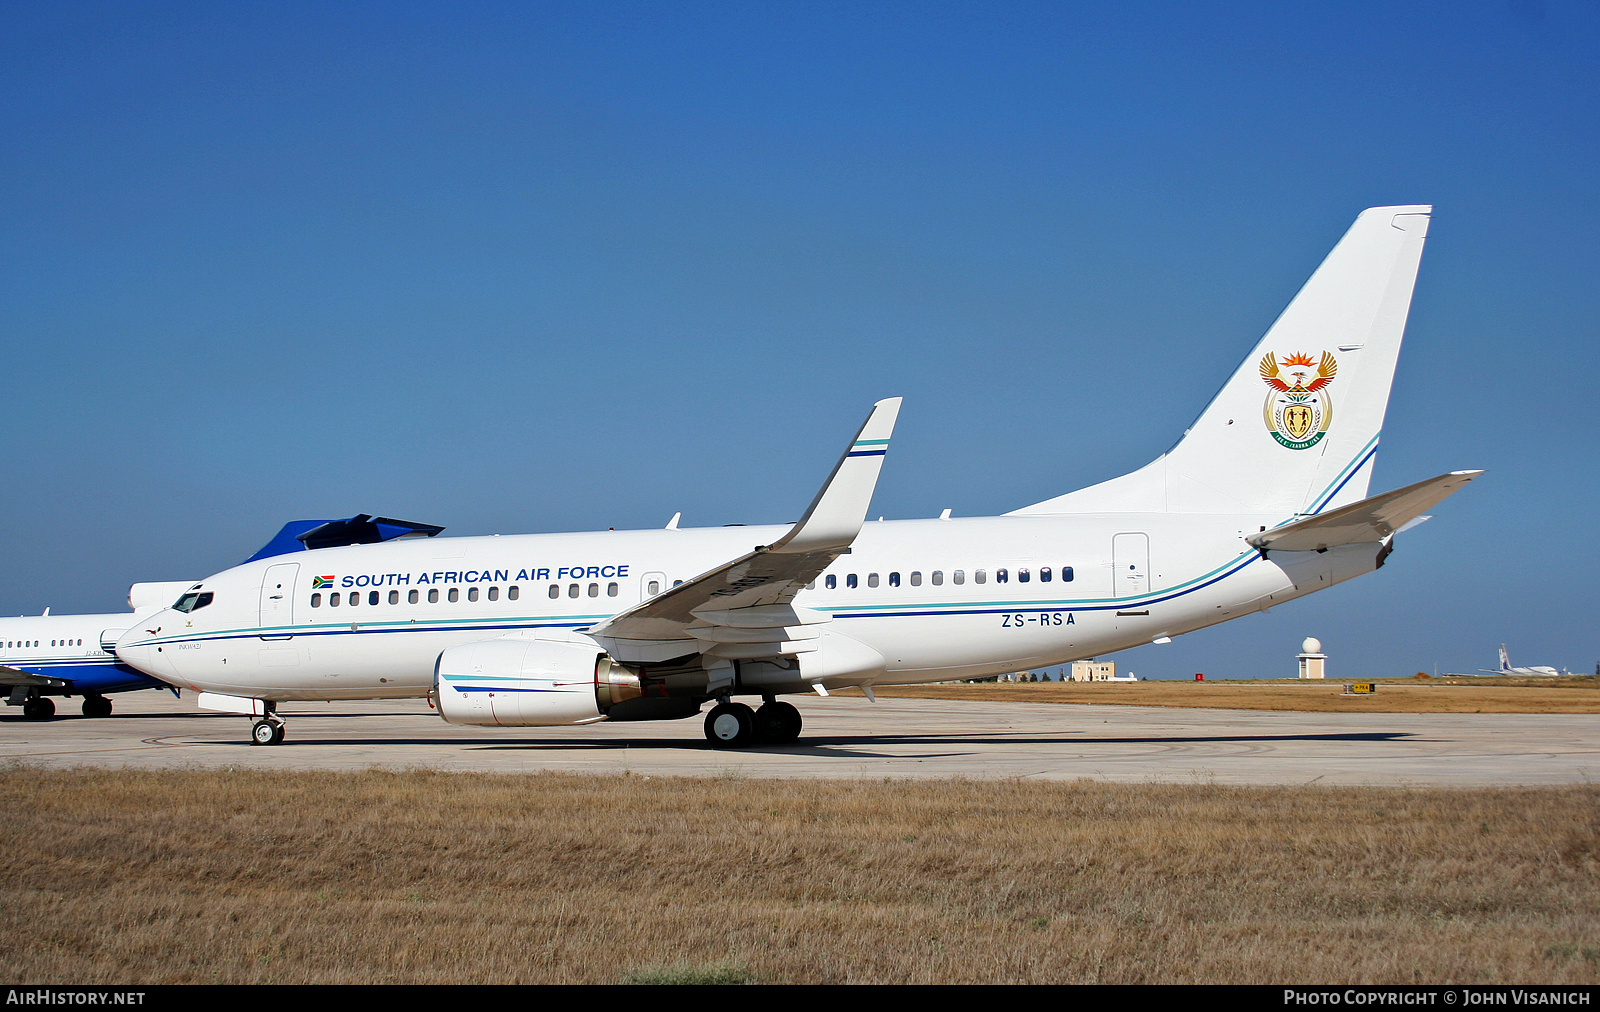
x=1262 y=501
x=72 y=655
x=1540 y=671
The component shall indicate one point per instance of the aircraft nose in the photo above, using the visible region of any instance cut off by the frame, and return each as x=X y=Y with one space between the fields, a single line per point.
x=137 y=648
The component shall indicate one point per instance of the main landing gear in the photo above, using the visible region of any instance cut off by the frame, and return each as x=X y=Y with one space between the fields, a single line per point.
x=39 y=708
x=268 y=730
x=96 y=706
x=735 y=725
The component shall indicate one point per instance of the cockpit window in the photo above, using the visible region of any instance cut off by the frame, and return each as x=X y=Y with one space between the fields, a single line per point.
x=192 y=601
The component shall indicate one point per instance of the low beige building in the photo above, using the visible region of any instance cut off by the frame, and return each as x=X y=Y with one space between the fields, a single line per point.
x=1094 y=671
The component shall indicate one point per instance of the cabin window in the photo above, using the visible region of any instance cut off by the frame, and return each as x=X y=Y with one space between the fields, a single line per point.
x=980 y=576
x=573 y=590
x=411 y=598
x=494 y=593
x=512 y=593
x=653 y=588
x=372 y=597
x=938 y=577
x=1044 y=574
x=850 y=581
x=677 y=583
x=894 y=579
x=958 y=577
x=832 y=582
x=555 y=590
x=433 y=595
x=454 y=594
x=316 y=600
x=1066 y=574
x=394 y=597
x=472 y=593
x=872 y=579
x=1000 y=576
x=594 y=590
x=1022 y=576
x=611 y=590
x=916 y=578
x=812 y=585
x=333 y=599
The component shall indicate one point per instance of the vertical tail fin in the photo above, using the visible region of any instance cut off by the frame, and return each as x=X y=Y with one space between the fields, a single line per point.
x=1296 y=427
x=1505 y=659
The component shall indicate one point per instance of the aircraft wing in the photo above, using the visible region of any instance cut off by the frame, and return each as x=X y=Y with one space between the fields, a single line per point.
x=16 y=676
x=755 y=589
x=1366 y=521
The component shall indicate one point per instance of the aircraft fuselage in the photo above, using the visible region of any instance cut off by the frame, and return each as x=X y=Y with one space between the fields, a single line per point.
x=939 y=599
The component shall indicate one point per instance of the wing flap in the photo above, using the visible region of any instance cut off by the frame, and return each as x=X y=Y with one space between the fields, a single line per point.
x=1369 y=520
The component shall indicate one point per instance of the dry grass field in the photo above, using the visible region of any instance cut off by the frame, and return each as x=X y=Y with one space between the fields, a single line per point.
x=1435 y=695
x=243 y=876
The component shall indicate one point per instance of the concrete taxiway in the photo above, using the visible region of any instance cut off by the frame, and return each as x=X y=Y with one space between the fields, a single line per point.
x=855 y=738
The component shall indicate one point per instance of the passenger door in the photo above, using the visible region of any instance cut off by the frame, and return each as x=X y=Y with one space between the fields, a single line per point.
x=277 y=597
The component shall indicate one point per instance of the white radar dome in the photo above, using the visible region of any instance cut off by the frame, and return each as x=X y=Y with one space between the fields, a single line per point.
x=1312 y=645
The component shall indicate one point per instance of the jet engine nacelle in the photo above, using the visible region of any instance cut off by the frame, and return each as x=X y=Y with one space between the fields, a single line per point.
x=529 y=681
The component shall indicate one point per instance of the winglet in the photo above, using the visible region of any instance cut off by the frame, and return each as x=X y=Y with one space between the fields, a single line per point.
x=835 y=516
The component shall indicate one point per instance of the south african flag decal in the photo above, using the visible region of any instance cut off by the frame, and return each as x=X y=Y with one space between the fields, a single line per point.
x=318 y=582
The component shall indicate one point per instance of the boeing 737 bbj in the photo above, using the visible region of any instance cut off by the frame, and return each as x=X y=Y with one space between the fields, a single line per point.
x=1262 y=501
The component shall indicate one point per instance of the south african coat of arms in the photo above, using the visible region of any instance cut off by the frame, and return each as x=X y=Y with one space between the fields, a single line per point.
x=1298 y=409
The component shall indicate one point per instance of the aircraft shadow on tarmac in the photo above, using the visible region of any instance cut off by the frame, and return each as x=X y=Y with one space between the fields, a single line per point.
x=843 y=746
x=61 y=717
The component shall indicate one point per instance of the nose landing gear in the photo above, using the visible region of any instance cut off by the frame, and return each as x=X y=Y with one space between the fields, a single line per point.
x=269 y=729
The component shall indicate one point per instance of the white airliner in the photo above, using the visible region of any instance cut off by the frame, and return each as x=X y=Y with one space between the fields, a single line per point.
x=1262 y=501
x=1541 y=671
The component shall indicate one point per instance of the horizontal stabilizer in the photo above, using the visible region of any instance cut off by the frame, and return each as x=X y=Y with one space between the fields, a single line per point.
x=1369 y=520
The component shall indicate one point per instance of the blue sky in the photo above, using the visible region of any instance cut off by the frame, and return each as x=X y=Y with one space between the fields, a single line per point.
x=546 y=267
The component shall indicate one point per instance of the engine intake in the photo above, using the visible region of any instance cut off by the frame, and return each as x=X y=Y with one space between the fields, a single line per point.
x=530 y=682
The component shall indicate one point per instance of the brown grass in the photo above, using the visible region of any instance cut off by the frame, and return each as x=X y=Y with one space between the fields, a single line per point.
x=1564 y=695
x=244 y=876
